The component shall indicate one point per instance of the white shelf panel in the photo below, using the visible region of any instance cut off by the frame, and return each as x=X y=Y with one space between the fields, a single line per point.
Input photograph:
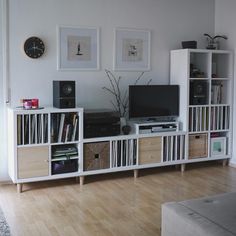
x=221 y=79
x=208 y=159
x=63 y=158
x=32 y=145
x=199 y=132
x=220 y=130
x=65 y=143
x=193 y=106
x=198 y=78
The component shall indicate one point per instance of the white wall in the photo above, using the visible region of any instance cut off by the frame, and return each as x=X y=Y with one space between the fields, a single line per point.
x=225 y=19
x=170 y=22
x=3 y=166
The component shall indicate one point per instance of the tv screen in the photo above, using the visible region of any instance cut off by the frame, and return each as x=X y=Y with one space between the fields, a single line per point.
x=150 y=101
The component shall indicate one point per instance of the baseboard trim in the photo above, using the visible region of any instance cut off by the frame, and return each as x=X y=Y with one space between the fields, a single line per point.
x=232 y=164
x=5 y=182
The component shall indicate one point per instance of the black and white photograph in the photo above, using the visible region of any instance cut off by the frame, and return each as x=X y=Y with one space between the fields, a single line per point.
x=131 y=50
x=78 y=48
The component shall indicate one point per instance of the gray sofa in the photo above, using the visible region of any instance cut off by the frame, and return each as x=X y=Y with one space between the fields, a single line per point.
x=209 y=216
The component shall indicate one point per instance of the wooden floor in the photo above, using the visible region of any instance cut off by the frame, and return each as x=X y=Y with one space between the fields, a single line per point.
x=111 y=204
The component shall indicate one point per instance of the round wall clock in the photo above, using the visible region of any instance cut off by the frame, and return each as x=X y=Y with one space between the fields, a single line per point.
x=34 y=47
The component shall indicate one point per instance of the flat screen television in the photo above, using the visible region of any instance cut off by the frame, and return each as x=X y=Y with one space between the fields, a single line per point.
x=153 y=101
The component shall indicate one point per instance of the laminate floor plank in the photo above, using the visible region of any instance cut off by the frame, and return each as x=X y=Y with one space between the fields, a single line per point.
x=109 y=205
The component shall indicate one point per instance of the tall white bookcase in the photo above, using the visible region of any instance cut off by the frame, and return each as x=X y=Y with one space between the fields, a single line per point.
x=205 y=78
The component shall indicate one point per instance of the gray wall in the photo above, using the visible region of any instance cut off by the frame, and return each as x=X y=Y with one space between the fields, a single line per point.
x=225 y=19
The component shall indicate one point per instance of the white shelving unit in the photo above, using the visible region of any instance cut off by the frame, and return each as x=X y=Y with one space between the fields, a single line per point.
x=210 y=116
x=37 y=139
x=34 y=136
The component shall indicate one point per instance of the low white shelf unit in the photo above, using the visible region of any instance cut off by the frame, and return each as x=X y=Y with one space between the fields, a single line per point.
x=48 y=144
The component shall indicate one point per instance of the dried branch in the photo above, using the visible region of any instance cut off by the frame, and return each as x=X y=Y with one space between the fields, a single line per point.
x=120 y=104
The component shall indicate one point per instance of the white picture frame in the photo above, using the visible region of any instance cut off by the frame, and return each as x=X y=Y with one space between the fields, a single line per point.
x=131 y=49
x=78 y=48
x=218 y=146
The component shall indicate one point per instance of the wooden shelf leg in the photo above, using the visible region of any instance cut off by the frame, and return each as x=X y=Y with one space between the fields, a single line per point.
x=225 y=162
x=135 y=174
x=81 y=180
x=19 y=188
x=183 y=166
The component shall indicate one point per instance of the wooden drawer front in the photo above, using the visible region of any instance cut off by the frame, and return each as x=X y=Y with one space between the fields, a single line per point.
x=198 y=146
x=96 y=156
x=150 y=150
x=32 y=162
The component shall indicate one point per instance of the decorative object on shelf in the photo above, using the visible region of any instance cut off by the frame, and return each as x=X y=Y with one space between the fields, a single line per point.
x=195 y=72
x=189 y=44
x=34 y=47
x=30 y=103
x=121 y=102
x=132 y=50
x=126 y=129
x=96 y=156
x=216 y=93
x=78 y=48
x=198 y=92
x=218 y=146
x=27 y=103
x=213 y=42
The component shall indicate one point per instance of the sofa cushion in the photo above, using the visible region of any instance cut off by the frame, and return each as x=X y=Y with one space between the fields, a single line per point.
x=209 y=216
x=220 y=209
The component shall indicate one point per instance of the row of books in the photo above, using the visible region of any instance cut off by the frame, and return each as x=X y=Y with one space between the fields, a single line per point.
x=198 y=119
x=216 y=93
x=173 y=148
x=220 y=117
x=32 y=129
x=64 y=127
x=124 y=153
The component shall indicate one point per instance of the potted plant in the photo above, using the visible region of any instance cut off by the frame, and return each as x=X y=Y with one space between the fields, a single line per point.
x=213 y=42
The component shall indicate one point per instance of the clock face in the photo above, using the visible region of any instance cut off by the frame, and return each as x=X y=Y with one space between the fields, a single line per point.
x=34 y=47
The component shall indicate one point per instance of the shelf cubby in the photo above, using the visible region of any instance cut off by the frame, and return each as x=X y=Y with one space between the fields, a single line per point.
x=123 y=153
x=32 y=129
x=220 y=117
x=199 y=65
x=221 y=65
x=220 y=91
x=198 y=118
x=64 y=127
x=173 y=148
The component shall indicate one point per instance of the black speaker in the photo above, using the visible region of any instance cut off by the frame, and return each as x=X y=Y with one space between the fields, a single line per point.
x=64 y=94
x=198 y=92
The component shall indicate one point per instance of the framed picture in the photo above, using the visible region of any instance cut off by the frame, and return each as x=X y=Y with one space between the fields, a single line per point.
x=78 y=48
x=218 y=146
x=131 y=50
